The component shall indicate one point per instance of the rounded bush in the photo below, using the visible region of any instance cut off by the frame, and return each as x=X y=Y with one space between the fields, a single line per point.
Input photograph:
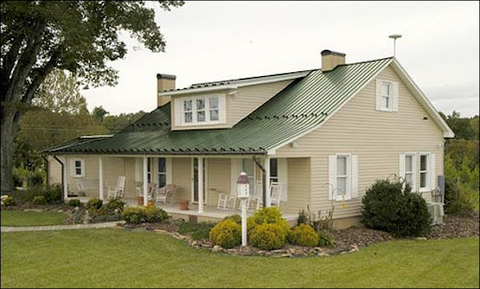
x=325 y=239
x=236 y=218
x=134 y=215
x=268 y=216
x=9 y=201
x=226 y=234
x=304 y=235
x=94 y=204
x=74 y=203
x=114 y=204
x=39 y=200
x=268 y=236
x=36 y=178
x=388 y=206
x=155 y=215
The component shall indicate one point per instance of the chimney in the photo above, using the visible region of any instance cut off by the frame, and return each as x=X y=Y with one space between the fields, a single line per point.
x=330 y=59
x=165 y=82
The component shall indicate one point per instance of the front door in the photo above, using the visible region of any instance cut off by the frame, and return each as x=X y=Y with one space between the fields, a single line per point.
x=195 y=180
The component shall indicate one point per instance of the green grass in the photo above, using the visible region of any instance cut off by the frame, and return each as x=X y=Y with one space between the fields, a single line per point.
x=197 y=231
x=22 y=218
x=118 y=258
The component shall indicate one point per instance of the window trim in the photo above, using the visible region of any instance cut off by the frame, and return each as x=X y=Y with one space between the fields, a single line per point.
x=207 y=110
x=82 y=168
x=390 y=95
x=348 y=193
x=428 y=171
x=165 y=173
x=414 y=169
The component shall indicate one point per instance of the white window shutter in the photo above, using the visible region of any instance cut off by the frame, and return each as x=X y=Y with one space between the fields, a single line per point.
x=169 y=170
x=354 y=176
x=332 y=180
x=378 y=95
x=415 y=171
x=401 y=166
x=82 y=161
x=433 y=175
x=222 y=118
x=283 y=177
x=234 y=175
x=395 y=97
x=178 y=111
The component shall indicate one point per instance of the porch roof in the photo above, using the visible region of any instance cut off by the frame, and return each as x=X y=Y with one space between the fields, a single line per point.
x=297 y=109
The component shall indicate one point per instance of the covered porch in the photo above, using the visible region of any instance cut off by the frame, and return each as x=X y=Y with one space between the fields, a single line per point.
x=208 y=183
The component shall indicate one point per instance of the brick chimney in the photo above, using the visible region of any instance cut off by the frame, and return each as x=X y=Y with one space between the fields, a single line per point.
x=331 y=59
x=165 y=82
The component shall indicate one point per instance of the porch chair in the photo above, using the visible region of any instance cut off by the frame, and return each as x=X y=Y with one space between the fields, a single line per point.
x=225 y=199
x=164 y=192
x=275 y=194
x=257 y=196
x=118 y=190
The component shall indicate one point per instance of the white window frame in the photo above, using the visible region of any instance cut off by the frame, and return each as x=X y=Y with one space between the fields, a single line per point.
x=414 y=169
x=159 y=173
x=149 y=169
x=274 y=179
x=82 y=168
x=207 y=110
x=388 y=98
x=428 y=172
x=348 y=176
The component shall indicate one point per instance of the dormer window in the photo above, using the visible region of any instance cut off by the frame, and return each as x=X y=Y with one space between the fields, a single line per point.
x=200 y=110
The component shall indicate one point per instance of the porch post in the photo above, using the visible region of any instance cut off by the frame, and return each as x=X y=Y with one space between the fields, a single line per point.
x=266 y=188
x=100 y=178
x=145 y=181
x=65 y=179
x=200 y=185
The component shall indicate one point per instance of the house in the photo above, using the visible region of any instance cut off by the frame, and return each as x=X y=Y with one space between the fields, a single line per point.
x=321 y=136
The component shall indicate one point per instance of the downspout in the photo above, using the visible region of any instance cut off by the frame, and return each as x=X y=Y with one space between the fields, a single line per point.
x=47 y=170
x=63 y=178
x=264 y=182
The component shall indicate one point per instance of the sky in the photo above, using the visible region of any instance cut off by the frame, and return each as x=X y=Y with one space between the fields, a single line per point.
x=208 y=41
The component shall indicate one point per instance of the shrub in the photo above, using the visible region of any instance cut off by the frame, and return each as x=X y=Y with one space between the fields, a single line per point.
x=134 y=215
x=226 y=234
x=304 y=235
x=155 y=215
x=36 y=178
x=9 y=201
x=74 y=203
x=94 y=204
x=268 y=236
x=268 y=216
x=325 y=239
x=389 y=207
x=302 y=217
x=114 y=204
x=198 y=231
x=39 y=200
x=236 y=218
x=52 y=194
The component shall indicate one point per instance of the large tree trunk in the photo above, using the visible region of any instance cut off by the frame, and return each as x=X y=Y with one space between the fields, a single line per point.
x=9 y=128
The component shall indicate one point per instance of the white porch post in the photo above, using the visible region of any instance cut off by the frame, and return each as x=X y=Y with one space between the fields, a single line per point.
x=65 y=179
x=145 y=181
x=267 y=179
x=200 y=185
x=100 y=178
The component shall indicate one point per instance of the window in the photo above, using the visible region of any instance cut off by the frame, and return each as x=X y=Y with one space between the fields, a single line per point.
x=187 y=111
x=410 y=170
x=343 y=177
x=386 y=94
x=424 y=171
x=274 y=170
x=162 y=173
x=200 y=107
x=78 y=168
x=149 y=170
x=213 y=106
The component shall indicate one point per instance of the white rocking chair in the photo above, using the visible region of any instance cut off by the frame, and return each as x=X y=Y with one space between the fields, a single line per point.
x=118 y=190
x=224 y=200
x=275 y=194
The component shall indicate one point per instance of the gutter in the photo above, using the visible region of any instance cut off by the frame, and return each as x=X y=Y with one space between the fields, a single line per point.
x=63 y=177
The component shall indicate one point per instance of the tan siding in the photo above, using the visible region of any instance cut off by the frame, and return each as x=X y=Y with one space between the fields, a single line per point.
x=182 y=177
x=298 y=184
x=218 y=179
x=376 y=137
x=54 y=171
x=249 y=98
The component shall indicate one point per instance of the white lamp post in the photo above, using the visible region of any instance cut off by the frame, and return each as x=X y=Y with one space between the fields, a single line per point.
x=243 y=193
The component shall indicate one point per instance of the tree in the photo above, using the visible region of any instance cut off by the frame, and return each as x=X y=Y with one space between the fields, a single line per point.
x=116 y=123
x=78 y=36
x=99 y=113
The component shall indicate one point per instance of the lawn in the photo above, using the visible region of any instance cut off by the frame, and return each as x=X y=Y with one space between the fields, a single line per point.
x=22 y=218
x=118 y=258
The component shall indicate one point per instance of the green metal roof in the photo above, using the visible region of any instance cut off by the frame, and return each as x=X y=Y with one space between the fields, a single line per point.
x=300 y=107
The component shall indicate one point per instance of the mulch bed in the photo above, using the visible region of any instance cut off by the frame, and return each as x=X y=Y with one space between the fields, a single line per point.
x=456 y=227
